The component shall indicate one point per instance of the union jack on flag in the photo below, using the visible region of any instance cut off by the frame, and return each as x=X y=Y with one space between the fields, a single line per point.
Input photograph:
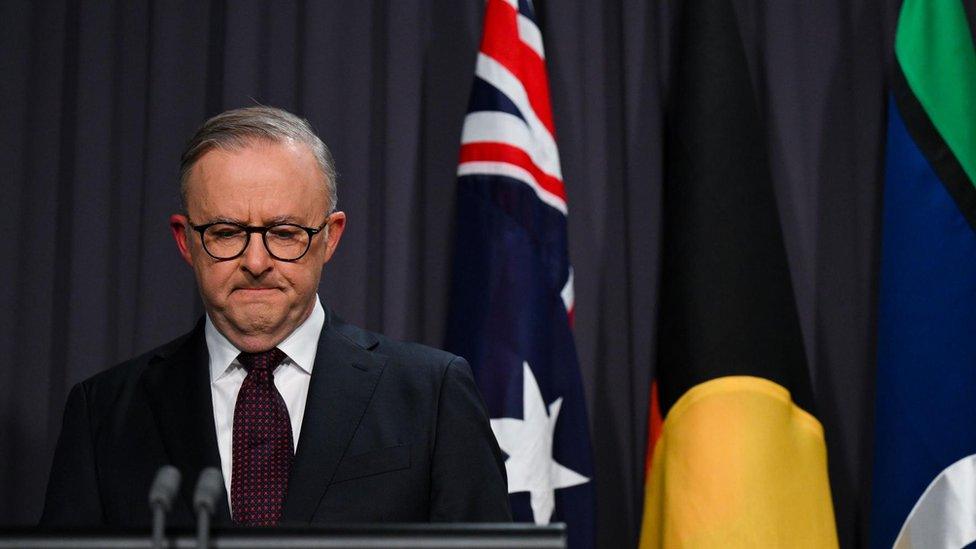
x=512 y=295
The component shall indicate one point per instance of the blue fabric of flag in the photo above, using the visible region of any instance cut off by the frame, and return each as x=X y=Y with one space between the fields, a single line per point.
x=510 y=264
x=926 y=378
x=512 y=303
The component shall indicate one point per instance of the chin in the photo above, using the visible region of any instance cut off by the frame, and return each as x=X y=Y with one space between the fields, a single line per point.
x=256 y=323
x=257 y=333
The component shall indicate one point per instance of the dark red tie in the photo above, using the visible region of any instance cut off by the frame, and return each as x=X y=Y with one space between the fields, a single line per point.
x=263 y=449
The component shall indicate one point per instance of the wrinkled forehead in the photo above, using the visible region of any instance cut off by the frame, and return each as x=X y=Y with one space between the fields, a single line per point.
x=261 y=144
x=260 y=177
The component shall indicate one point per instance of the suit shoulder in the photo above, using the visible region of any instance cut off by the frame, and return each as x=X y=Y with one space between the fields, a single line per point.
x=113 y=379
x=405 y=360
x=409 y=353
x=403 y=353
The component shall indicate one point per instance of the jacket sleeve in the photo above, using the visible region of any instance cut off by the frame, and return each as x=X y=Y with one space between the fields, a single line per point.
x=468 y=481
x=72 y=487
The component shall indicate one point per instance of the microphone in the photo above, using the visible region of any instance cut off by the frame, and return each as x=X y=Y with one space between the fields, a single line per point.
x=161 y=494
x=210 y=486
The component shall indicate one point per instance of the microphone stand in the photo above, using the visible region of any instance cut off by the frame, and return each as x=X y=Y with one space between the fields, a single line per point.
x=209 y=487
x=203 y=528
x=161 y=494
x=158 y=526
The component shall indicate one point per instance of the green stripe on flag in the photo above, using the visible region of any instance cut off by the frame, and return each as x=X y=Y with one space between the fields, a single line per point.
x=934 y=47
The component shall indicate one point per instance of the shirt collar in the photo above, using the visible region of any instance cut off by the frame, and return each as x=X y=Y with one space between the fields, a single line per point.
x=300 y=345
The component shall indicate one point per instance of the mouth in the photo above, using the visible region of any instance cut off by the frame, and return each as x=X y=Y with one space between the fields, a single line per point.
x=256 y=289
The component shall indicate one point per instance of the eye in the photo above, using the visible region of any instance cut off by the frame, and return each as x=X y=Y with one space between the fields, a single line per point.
x=224 y=232
x=285 y=232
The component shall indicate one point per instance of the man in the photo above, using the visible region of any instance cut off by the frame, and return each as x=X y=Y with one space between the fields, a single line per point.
x=310 y=419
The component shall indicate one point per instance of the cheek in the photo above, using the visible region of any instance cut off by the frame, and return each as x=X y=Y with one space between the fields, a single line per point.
x=303 y=279
x=215 y=278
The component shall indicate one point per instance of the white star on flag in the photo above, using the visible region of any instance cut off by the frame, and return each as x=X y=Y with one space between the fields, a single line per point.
x=528 y=443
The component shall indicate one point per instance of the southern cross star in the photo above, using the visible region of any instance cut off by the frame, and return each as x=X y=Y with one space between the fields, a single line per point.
x=528 y=443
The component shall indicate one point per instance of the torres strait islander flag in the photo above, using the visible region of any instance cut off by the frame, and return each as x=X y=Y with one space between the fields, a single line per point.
x=736 y=457
x=924 y=488
x=512 y=295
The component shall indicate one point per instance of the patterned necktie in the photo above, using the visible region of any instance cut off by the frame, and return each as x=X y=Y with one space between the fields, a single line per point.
x=263 y=450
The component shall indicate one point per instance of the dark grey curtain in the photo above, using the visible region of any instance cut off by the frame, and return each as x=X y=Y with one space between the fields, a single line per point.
x=98 y=97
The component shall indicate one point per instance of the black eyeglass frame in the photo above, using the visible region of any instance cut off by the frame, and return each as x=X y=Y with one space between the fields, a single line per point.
x=263 y=231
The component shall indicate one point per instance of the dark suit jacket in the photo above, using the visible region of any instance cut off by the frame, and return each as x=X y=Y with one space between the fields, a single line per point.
x=392 y=432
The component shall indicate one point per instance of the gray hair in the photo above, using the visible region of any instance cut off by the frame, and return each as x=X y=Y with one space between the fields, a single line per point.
x=237 y=128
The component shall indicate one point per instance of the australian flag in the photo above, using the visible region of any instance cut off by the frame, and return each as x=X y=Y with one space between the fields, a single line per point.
x=511 y=307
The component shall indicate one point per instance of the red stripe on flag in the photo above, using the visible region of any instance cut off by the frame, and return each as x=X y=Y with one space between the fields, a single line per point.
x=501 y=42
x=488 y=151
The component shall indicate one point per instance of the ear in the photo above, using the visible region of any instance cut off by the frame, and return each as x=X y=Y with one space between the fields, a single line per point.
x=337 y=224
x=179 y=225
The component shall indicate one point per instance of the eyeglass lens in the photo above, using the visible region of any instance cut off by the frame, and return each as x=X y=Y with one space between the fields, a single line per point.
x=225 y=241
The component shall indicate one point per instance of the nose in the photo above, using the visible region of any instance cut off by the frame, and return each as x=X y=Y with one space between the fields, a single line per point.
x=256 y=259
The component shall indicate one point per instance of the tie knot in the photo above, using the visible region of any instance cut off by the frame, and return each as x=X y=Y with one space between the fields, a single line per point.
x=266 y=360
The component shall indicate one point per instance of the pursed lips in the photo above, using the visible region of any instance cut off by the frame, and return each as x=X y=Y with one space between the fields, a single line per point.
x=257 y=289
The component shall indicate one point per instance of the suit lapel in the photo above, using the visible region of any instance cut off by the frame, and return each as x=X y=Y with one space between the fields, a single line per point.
x=343 y=380
x=178 y=386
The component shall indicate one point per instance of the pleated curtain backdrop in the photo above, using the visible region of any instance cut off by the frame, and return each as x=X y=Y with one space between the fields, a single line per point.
x=98 y=97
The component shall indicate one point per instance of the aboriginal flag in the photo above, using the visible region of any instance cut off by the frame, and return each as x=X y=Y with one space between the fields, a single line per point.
x=736 y=456
x=512 y=295
x=924 y=489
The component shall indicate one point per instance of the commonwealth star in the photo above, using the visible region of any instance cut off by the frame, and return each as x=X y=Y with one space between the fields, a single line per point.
x=528 y=443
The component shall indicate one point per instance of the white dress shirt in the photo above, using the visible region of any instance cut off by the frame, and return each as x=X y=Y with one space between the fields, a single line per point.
x=291 y=378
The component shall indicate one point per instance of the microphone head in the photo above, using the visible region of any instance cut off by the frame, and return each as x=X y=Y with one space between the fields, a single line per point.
x=164 y=487
x=210 y=486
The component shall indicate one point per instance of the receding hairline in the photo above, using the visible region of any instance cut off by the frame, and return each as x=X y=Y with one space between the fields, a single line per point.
x=237 y=129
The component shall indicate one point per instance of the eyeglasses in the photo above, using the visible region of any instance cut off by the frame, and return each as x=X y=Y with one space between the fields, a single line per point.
x=284 y=241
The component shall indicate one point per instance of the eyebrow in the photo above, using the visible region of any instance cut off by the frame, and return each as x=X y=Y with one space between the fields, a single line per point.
x=284 y=219
x=222 y=219
x=271 y=221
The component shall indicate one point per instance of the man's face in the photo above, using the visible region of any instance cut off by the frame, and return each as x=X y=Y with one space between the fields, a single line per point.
x=256 y=300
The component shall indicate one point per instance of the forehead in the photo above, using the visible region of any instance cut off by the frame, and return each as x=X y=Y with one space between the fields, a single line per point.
x=262 y=179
